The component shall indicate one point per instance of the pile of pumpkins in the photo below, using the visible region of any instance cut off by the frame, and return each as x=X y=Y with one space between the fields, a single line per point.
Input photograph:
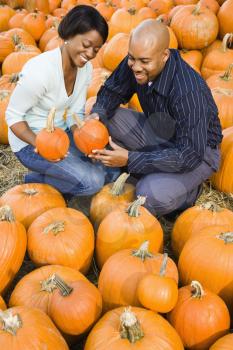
x=143 y=298
x=137 y=302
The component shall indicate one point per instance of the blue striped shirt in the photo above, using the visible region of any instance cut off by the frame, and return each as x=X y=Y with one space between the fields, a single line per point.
x=178 y=91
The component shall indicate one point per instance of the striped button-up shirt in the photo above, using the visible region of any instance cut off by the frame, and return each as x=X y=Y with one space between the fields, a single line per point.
x=178 y=91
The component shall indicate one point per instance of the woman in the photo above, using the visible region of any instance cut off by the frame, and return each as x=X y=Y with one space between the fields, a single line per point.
x=59 y=78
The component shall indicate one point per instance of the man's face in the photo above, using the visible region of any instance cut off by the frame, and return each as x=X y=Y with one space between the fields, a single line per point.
x=146 y=60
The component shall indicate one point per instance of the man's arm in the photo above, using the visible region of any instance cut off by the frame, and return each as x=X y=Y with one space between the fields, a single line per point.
x=118 y=89
x=191 y=115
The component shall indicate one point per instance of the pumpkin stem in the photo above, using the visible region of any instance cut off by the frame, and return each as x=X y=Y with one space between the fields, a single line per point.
x=132 y=11
x=143 y=251
x=78 y=121
x=130 y=327
x=164 y=265
x=30 y=191
x=133 y=209
x=14 y=78
x=50 y=120
x=227 y=237
x=214 y=207
x=221 y=91
x=56 y=227
x=118 y=185
x=6 y=214
x=10 y=323
x=227 y=37
x=62 y=286
x=48 y=285
x=197 y=291
x=197 y=9
x=4 y=94
x=16 y=39
x=227 y=75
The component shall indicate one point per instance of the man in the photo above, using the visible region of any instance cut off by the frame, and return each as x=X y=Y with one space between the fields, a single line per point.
x=173 y=146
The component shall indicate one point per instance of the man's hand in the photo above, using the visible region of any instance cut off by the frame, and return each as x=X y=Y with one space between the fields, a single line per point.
x=91 y=116
x=117 y=157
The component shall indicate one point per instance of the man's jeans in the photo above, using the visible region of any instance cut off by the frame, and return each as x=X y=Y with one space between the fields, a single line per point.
x=74 y=175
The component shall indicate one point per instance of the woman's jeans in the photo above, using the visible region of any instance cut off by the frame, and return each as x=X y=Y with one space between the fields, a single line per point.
x=74 y=175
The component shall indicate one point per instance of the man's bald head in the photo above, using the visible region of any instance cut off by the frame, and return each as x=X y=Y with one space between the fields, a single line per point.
x=151 y=33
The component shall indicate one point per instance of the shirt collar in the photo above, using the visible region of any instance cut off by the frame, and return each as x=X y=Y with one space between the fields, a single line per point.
x=162 y=83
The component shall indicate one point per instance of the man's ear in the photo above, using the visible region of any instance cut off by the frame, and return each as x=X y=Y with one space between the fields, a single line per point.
x=166 y=55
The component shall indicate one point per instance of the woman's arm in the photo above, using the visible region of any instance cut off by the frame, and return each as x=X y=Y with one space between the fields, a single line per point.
x=23 y=132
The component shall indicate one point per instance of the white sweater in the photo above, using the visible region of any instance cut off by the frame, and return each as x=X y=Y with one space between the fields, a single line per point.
x=41 y=86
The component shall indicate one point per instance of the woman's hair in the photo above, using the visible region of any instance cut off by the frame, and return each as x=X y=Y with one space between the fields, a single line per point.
x=82 y=19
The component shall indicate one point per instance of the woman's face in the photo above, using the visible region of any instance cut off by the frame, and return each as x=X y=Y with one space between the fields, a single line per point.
x=83 y=47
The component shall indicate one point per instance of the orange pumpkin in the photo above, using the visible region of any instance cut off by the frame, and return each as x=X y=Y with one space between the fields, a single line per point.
x=225 y=18
x=40 y=5
x=132 y=4
x=135 y=104
x=208 y=258
x=54 y=4
x=53 y=43
x=99 y=76
x=4 y=100
x=15 y=3
x=212 y=5
x=189 y=26
x=13 y=246
x=106 y=9
x=133 y=328
x=19 y=35
x=194 y=219
x=97 y=62
x=161 y=6
x=221 y=80
x=52 y=143
x=16 y=21
x=223 y=343
x=222 y=179
x=193 y=58
x=127 y=228
x=158 y=293
x=200 y=317
x=122 y=272
x=17 y=323
x=28 y=201
x=6 y=12
x=110 y=197
x=215 y=45
x=224 y=101
x=112 y=56
x=34 y=23
x=53 y=239
x=123 y=21
x=78 y=302
x=35 y=289
x=46 y=37
x=2 y=304
x=6 y=47
x=52 y=21
x=90 y=135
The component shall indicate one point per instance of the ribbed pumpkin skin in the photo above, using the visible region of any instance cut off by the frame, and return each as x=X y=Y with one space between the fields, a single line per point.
x=120 y=231
x=225 y=18
x=80 y=310
x=194 y=219
x=119 y=278
x=27 y=291
x=16 y=60
x=52 y=145
x=158 y=333
x=2 y=304
x=223 y=179
x=12 y=250
x=37 y=332
x=26 y=206
x=199 y=322
x=224 y=343
x=209 y=260
x=73 y=246
x=92 y=135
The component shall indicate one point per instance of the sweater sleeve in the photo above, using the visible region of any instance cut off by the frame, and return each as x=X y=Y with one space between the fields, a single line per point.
x=32 y=85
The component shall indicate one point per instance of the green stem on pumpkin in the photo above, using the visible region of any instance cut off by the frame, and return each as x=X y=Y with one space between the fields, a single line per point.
x=118 y=185
x=10 y=323
x=227 y=75
x=212 y=206
x=130 y=327
x=197 y=9
x=164 y=265
x=64 y=288
x=227 y=237
x=48 y=285
x=78 y=121
x=56 y=227
x=143 y=251
x=6 y=214
x=30 y=191
x=133 y=209
x=197 y=290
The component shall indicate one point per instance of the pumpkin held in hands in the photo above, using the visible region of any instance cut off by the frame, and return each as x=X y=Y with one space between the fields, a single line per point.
x=52 y=143
x=90 y=135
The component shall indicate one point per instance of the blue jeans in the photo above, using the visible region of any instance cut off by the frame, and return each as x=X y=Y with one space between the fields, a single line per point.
x=74 y=175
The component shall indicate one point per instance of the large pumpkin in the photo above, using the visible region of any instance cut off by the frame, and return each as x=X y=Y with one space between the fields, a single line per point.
x=192 y=220
x=224 y=101
x=34 y=23
x=225 y=18
x=194 y=28
x=223 y=80
x=112 y=56
x=133 y=328
x=200 y=317
x=52 y=143
x=19 y=35
x=62 y=236
x=99 y=76
x=6 y=47
x=6 y=12
x=224 y=343
x=4 y=100
x=12 y=248
x=16 y=21
x=28 y=201
x=208 y=258
x=110 y=197
x=223 y=179
x=127 y=227
x=119 y=278
x=27 y=329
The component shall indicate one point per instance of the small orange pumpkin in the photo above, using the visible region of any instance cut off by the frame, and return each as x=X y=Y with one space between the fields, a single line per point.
x=223 y=343
x=52 y=143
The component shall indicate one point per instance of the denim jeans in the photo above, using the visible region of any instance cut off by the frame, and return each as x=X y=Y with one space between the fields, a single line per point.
x=74 y=175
